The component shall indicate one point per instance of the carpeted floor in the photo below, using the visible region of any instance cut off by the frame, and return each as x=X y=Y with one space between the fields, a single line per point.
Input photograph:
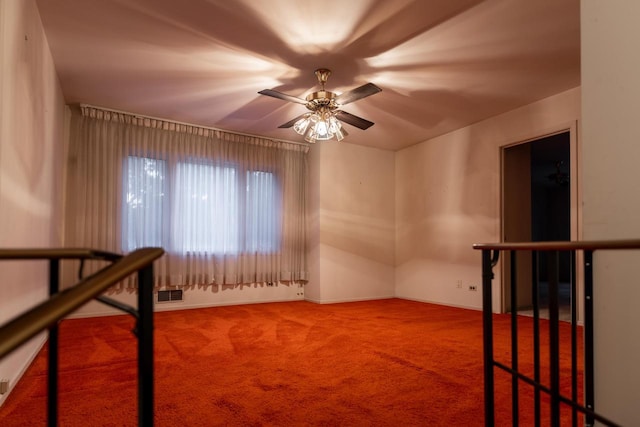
x=377 y=363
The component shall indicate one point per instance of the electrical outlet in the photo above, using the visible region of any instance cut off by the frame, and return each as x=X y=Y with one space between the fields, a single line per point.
x=459 y=284
x=473 y=288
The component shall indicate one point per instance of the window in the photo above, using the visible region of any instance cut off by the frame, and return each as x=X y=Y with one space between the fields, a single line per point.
x=263 y=216
x=144 y=202
x=205 y=212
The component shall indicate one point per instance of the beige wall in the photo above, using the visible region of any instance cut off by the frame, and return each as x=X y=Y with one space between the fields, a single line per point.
x=611 y=145
x=402 y=224
x=31 y=135
x=312 y=290
x=448 y=197
x=352 y=248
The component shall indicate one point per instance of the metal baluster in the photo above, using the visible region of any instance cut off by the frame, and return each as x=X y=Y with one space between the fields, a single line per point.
x=487 y=336
x=52 y=373
x=554 y=339
x=145 y=346
x=574 y=340
x=588 y=335
x=514 y=342
x=536 y=336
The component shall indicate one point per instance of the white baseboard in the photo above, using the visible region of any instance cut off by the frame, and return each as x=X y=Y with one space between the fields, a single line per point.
x=441 y=303
x=342 y=300
x=16 y=378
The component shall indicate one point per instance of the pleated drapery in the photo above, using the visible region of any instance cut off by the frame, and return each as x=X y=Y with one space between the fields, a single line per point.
x=227 y=208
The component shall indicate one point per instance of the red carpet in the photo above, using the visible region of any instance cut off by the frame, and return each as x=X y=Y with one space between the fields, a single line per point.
x=383 y=363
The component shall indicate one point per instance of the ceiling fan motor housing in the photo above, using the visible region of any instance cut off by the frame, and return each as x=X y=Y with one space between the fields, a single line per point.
x=321 y=98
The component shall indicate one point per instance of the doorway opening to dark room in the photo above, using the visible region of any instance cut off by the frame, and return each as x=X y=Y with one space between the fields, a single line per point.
x=537 y=207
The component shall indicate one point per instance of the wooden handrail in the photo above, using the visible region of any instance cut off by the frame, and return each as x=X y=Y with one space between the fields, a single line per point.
x=24 y=327
x=65 y=253
x=560 y=246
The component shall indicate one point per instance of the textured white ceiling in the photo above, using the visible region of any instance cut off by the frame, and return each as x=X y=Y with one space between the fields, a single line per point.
x=441 y=64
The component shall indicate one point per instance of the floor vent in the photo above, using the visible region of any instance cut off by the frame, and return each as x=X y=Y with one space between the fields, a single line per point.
x=170 y=296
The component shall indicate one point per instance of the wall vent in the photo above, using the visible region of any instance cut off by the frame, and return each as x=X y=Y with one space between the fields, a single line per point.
x=170 y=295
x=4 y=386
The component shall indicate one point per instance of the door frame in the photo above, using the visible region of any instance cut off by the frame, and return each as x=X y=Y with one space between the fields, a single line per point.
x=575 y=183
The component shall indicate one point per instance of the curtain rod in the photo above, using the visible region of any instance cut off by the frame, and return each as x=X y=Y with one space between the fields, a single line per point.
x=143 y=116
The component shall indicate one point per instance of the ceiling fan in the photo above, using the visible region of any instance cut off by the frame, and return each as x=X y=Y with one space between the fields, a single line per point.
x=323 y=120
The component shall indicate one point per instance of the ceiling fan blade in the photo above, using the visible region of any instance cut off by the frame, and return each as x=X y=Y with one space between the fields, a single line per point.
x=356 y=121
x=357 y=93
x=291 y=122
x=283 y=96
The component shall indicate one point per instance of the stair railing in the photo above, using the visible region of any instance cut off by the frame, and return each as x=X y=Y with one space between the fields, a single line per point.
x=490 y=255
x=47 y=314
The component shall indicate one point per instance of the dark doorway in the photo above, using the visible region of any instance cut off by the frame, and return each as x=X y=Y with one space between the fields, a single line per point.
x=537 y=207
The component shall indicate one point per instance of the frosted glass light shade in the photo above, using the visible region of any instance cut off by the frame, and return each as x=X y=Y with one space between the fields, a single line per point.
x=319 y=126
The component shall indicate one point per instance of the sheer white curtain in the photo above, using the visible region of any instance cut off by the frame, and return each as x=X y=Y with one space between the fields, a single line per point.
x=226 y=208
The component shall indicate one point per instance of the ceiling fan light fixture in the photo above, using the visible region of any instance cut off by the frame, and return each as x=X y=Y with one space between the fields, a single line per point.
x=322 y=123
x=319 y=126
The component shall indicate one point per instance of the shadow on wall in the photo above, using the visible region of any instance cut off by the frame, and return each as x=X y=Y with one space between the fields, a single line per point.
x=368 y=237
x=446 y=196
